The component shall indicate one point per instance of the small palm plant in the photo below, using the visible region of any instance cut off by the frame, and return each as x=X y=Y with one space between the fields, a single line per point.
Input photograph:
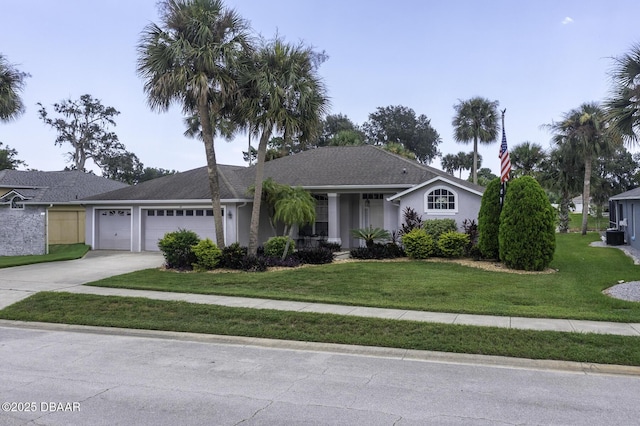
x=370 y=235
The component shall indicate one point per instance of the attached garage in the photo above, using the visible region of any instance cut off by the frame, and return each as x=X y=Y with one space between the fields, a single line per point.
x=157 y=222
x=113 y=228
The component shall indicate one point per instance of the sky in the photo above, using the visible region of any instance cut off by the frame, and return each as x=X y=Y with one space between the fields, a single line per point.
x=538 y=58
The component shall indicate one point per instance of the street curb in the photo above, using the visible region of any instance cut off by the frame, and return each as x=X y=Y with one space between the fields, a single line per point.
x=342 y=349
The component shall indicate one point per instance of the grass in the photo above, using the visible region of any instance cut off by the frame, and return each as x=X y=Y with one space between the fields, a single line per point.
x=575 y=291
x=143 y=313
x=56 y=253
x=594 y=224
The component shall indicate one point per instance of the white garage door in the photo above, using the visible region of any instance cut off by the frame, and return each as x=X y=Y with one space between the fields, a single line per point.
x=114 y=229
x=158 y=222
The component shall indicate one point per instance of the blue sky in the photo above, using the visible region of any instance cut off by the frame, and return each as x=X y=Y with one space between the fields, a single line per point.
x=539 y=59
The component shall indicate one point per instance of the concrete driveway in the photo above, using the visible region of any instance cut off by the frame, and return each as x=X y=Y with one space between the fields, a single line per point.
x=20 y=282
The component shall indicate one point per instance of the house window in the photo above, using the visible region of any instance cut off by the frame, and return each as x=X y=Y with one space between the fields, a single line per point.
x=16 y=203
x=321 y=226
x=441 y=200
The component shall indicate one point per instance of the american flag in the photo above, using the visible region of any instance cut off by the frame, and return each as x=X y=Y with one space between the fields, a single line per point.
x=505 y=161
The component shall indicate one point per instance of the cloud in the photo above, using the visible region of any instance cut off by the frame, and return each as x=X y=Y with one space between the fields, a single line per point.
x=567 y=20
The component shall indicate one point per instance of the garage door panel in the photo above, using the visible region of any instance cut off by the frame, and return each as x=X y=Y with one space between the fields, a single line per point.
x=156 y=226
x=114 y=229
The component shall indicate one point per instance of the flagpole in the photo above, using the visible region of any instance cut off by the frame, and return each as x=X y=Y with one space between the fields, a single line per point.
x=503 y=182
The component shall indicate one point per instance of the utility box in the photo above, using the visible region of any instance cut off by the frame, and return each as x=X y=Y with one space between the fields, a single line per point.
x=615 y=238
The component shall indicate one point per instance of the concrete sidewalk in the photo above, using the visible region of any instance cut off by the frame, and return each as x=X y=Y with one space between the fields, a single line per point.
x=566 y=325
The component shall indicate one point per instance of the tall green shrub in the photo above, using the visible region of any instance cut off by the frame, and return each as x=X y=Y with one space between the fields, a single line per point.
x=527 y=226
x=489 y=221
x=418 y=244
x=177 y=248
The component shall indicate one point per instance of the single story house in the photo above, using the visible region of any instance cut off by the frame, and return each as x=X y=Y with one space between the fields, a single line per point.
x=624 y=217
x=354 y=187
x=40 y=208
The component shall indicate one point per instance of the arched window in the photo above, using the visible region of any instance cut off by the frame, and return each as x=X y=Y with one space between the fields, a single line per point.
x=441 y=200
x=16 y=203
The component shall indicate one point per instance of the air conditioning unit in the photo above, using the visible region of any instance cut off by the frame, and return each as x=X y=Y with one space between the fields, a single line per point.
x=623 y=222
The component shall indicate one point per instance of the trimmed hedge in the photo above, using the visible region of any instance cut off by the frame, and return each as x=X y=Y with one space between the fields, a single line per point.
x=207 y=254
x=275 y=246
x=527 y=226
x=489 y=221
x=418 y=244
x=453 y=244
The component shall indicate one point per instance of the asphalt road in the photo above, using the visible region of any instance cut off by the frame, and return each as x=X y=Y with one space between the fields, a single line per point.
x=54 y=377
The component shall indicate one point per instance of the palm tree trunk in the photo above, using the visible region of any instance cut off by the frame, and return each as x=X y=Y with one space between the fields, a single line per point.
x=212 y=169
x=257 y=195
x=474 y=168
x=586 y=193
x=563 y=219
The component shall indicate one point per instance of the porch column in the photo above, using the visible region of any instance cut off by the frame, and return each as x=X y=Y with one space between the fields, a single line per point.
x=334 y=218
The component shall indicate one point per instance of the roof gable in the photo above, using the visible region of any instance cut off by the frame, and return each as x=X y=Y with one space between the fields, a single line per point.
x=431 y=181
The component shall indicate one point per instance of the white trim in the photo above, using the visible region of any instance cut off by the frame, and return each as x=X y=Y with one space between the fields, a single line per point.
x=429 y=182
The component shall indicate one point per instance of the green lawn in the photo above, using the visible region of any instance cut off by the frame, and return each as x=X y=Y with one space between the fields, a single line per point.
x=594 y=224
x=56 y=253
x=574 y=291
x=149 y=314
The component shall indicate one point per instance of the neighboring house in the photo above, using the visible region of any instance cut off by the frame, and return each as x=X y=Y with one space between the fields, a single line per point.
x=624 y=214
x=354 y=187
x=40 y=208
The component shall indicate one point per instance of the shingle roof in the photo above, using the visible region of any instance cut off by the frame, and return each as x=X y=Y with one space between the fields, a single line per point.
x=56 y=187
x=323 y=167
x=631 y=194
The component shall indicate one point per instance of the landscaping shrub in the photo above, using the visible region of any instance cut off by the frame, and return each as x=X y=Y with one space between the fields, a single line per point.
x=418 y=244
x=437 y=227
x=232 y=256
x=314 y=256
x=250 y=263
x=288 y=262
x=453 y=244
x=527 y=226
x=412 y=220
x=275 y=246
x=207 y=254
x=371 y=235
x=334 y=247
x=177 y=248
x=489 y=221
x=377 y=251
x=470 y=227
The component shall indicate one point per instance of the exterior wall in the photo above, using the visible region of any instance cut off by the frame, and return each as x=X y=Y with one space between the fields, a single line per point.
x=66 y=225
x=22 y=232
x=468 y=204
x=628 y=211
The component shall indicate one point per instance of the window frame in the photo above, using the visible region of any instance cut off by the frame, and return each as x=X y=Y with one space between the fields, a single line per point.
x=452 y=197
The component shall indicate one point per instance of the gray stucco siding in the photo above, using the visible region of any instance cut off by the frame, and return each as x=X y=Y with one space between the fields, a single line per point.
x=467 y=204
x=22 y=231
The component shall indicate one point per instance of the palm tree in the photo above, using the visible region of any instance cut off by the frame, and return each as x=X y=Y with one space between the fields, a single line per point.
x=295 y=206
x=11 y=84
x=526 y=159
x=283 y=94
x=450 y=163
x=623 y=107
x=559 y=173
x=194 y=59
x=586 y=131
x=476 y=120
